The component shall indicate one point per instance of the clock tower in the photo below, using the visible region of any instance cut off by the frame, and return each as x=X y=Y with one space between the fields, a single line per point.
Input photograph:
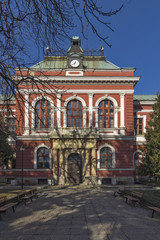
x=75 y=54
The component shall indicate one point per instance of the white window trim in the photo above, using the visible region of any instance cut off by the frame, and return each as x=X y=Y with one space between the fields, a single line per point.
x=113 y=156
x=59 y=110
x=115 y=109
x=33 y=110
x=144 y=122
x=65 y=109
x=35 y=155
x=122 y=121
x=26 y=121
x=90 y=109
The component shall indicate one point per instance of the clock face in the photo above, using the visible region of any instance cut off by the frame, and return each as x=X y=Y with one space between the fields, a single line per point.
x=75 y=63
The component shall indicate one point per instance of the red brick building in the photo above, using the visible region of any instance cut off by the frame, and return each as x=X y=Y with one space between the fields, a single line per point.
x=79 y=122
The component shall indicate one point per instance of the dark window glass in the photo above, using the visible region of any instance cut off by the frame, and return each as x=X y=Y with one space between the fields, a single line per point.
x=106 y=114
x=43 y=114
x=138 y=126
x=43 y=158
x=74 y=114
x=106 y=157
x=11 y=123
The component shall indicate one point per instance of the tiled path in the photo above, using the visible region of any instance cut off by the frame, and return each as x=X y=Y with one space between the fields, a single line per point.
x=79 y=213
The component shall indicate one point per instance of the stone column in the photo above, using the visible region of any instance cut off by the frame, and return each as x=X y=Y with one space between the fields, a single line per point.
x=61 y=168
x=58 y=109
x=122 y=125
x=90 y=109
x=94 y=161
x=55 y=165
x=26 y=106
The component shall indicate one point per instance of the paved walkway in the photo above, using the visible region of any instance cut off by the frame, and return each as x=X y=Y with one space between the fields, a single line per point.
x=79 y=213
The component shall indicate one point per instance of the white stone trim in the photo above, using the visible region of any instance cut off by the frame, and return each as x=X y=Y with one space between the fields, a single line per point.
x=136 y=102
x=115 y=111
x=140 y=139
x=104 y=91
x=74 y=73
x=26 y=114
x=96 y=79
x=122 y=124
x=144 y=121
x=58 y=109
x=143 y=110
x=65 y=108
x=35 y=155
x=90 y=109
x=113 y=155
x=33 y=110
x=6 y=110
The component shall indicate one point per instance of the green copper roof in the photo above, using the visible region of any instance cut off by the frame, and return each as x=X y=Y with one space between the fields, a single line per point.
x=56 y=62
x=60 y=62
x=145 y=97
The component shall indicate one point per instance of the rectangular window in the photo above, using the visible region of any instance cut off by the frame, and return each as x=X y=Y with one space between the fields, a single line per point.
x=138 y=126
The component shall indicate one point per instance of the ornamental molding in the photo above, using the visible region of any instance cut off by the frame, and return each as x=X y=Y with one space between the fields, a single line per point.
x=93 y=91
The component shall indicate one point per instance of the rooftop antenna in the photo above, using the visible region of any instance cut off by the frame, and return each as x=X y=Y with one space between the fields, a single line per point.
x=86 y=26
x=101 y=48
x=47 y=50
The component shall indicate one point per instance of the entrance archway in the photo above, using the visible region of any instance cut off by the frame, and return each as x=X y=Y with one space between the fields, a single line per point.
x=75 y=168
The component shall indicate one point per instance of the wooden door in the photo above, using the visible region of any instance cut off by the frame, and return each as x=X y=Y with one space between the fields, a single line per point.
x=74 y=168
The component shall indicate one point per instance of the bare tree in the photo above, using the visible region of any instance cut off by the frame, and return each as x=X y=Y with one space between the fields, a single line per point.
x=41 y=23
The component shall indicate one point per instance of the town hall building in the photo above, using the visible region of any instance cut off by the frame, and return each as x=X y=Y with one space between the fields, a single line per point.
x=75 y=119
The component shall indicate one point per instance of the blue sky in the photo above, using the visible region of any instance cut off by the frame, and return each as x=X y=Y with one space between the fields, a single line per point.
x=135 y=40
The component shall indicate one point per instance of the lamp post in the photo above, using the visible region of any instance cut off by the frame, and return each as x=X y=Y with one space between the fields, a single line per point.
x=22 y=148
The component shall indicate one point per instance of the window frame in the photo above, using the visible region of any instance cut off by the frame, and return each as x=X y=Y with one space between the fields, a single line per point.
x=137 y=125
x=106 y=114
x=74 y=113
x=11 y=126
x=106 y=155
x=39 y=124
x=43 y=155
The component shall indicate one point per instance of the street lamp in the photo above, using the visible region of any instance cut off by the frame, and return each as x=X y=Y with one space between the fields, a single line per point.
x=22 y=148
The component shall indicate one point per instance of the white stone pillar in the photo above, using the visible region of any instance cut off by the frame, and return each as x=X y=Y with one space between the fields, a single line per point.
x=26 y=107
x=84 y=117
x=90 y=109
x=122 y=117
x=59 y=110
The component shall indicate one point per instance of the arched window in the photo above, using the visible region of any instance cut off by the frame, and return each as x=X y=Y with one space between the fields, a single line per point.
x=106 y=114
x=106 y=157
x=42 y=158
x=43 y=114
x=74 y=114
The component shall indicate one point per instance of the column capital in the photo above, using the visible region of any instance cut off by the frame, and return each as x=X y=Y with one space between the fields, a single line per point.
x=90 y=94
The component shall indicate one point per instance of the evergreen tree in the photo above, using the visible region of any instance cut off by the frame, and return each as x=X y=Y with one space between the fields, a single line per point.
x=6 y=151
x=150 y=165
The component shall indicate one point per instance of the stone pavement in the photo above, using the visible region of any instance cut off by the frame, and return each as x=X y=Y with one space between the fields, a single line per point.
x=79 y=213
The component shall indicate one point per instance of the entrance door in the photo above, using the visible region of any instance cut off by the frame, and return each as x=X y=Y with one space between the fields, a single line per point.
x=74 y=168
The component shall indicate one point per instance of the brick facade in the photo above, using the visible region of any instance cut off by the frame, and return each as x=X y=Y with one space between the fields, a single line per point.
x=54 y=146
